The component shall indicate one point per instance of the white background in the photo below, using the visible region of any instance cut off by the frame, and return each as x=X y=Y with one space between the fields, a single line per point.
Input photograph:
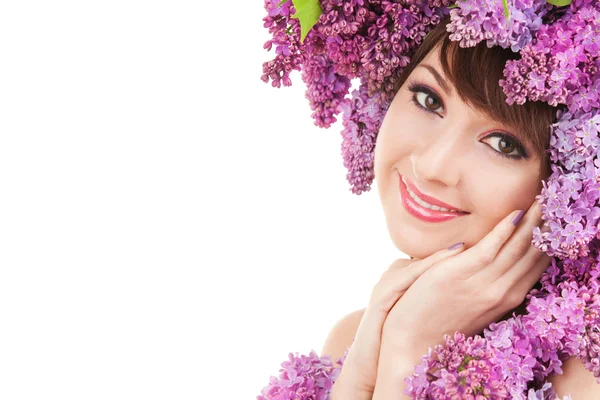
x=171 y=227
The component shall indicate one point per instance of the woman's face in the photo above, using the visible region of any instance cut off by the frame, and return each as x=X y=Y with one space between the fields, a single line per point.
x=447 y=150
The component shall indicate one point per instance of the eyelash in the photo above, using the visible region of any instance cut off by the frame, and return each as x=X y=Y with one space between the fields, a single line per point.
x=419 y=88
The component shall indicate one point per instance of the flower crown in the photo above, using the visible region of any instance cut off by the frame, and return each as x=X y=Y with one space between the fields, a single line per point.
x=333 y=42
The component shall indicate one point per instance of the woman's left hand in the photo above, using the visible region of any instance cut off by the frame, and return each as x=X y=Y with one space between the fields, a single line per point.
x=468 y=291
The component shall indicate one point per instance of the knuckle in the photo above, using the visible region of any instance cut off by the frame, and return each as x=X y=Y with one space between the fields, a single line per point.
x=444 y=285
x=485 y=257
x=395 y=270
x=386 y=274
x=390 y=275
x=399 y=263
x=521 y=247
x=385 y=284
x=514 y=253
x=380 y=283
x=513 y=299
x=493 y=297
x=383 y=297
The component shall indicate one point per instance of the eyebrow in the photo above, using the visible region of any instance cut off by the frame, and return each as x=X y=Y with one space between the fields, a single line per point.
x=438 y=78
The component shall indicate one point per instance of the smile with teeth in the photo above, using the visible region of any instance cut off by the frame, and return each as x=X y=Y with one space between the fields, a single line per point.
x=424 y=204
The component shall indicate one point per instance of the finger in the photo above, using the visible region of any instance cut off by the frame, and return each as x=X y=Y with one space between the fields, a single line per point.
x=417 y=268
x=521 y=268
x=532 y=277
x=485 y=251
x=400 y=275
x=514 y=249
x=400 y=263
x=518 y=281
x=518 y=244
x=514 y=292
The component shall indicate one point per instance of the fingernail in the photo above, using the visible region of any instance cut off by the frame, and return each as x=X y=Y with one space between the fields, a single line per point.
x=456 y=246
x=518 y=217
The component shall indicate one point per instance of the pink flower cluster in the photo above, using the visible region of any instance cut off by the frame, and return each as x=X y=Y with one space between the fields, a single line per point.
x=462 y=369
x=363 y=116
x=373 y=40
x=524 y=350
x=559 y=64
x=302 y=378
x=370 y=40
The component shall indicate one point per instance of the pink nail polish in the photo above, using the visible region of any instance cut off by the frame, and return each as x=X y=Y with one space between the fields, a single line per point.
x=518 y=217
x=456 y=246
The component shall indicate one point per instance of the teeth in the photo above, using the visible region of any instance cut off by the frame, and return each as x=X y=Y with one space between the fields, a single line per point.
x=424 y=204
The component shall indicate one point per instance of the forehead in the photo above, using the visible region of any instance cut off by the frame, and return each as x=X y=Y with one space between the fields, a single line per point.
x=431 y=63
x=433 y=58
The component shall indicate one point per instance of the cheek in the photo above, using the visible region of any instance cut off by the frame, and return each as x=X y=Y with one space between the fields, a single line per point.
x=397 y=138
x=505 y=189
x=495 y=193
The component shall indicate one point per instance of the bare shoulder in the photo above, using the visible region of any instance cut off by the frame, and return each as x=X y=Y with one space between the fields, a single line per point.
x=575 y=381
x=342 y=334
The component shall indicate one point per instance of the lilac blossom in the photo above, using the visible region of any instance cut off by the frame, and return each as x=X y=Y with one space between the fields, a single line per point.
x=363 y=116
x=474 y=21
x=462 y=368
x=559 y=47
x=326 y=89
x=302 y=378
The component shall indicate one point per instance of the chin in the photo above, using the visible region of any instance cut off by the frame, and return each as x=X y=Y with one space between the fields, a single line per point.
x=421 y=243
x=416 y=252
x=422 y=249
x=417 y=247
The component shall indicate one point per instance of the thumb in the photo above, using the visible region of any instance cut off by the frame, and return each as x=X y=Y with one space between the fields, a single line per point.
x=419 y=267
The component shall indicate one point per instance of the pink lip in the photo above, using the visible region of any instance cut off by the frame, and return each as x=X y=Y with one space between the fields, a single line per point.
x=429 y=199
x=423 y=213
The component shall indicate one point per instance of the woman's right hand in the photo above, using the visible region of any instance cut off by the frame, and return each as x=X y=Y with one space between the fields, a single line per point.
x=359 y=372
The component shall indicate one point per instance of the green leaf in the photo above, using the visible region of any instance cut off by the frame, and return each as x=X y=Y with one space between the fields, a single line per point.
x=559 y=3
x=281 y=2
x=456 y=4
x=506 y=10
x=308 y=13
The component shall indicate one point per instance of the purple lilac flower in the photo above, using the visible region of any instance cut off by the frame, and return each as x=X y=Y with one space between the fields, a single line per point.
x=326 y=89
x=514 y=353
x=362 y=119
x=462 y=368
x=475 y=21
x=395 y=34
x=303 y=378
x=373 y=40
x=287 y=46
x=560 y=64
x=343 y=24
x=570 y=195
x=546 y=392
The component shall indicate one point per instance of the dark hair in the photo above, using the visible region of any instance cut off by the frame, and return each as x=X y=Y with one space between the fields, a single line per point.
x=475 y=72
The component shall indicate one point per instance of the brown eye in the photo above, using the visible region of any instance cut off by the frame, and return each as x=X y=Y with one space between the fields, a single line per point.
x=506 y=146
x=432 y=103
x=428 y=101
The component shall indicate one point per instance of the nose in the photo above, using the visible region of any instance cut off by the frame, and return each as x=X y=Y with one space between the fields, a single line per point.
x=438 y=159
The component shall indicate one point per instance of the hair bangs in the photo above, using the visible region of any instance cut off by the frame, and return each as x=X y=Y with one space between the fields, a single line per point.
x=475 y=73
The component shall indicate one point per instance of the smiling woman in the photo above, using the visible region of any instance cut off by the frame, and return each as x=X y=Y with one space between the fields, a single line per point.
x=447 y=117
x=479 y=122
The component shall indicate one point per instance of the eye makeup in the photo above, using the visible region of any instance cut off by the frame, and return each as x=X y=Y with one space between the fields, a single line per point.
x=416 y=88
x=518 y=146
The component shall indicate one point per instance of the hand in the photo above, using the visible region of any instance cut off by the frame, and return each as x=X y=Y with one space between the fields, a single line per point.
x=360 y=366
x=468 y=291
